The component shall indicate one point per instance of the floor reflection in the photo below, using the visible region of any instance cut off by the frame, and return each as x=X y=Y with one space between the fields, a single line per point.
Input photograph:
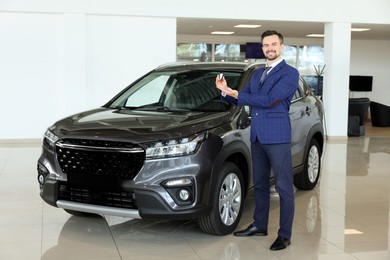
x=345 y=217
x=108 y=236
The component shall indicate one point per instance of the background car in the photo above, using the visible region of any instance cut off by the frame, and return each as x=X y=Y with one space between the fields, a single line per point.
x=168 y=147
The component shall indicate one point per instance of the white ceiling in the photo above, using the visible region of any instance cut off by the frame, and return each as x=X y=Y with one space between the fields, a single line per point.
x=196 y=26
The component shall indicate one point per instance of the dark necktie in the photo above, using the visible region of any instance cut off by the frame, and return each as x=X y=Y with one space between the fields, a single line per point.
x=264 y=74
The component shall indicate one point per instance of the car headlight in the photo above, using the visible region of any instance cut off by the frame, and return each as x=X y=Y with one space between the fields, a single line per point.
x=174 y=147
x=50 y=138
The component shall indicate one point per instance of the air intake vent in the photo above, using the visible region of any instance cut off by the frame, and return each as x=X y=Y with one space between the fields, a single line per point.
x=95 y=157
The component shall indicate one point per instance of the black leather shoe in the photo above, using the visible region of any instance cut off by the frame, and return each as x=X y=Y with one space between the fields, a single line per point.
x=280 y=243
x=250 y=231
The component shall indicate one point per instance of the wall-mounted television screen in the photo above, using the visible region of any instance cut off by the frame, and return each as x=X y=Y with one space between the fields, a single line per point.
x=254 y=50
x=360 y=83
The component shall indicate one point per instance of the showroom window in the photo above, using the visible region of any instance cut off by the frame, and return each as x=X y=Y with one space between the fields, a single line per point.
x=310 y=64
x=308 y=57
x=228 y=52
x=194 y=52
x=309 y=60
x=210 y=52
x=304 y=58
x=290 y=55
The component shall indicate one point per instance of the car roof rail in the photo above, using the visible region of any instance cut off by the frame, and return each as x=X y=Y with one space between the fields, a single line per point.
x=257 y=64
x=191 y=63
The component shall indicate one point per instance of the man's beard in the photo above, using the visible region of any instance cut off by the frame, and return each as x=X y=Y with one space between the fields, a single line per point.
x=270 y=56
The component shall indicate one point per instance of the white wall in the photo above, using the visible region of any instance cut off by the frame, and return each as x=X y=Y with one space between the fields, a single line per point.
x=372 y=58
x=31 y=72
x=53 y=65
x=62 y=56
x=122 y=48
x=375 y=11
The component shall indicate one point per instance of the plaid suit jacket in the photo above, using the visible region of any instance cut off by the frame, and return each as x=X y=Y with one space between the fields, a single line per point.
x=270 y=102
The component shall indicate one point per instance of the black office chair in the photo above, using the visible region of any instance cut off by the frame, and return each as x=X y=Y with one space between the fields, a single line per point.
x=357 y=111
x=380 y=114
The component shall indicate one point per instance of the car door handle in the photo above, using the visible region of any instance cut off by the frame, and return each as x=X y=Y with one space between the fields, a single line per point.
x=308 y=111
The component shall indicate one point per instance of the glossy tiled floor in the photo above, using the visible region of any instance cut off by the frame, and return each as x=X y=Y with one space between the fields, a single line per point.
x=346 y=217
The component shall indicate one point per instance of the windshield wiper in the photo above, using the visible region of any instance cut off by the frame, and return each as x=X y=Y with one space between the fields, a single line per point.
x=151 y=108
x=122 y=107
x=161 y=109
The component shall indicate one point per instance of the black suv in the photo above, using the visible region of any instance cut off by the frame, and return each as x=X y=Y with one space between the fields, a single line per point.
x=168 y=146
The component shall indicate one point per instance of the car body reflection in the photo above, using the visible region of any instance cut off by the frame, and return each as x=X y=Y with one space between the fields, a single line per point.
x=109 y=236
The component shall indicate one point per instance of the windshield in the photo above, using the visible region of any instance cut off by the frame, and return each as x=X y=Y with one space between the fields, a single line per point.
x=188 y=91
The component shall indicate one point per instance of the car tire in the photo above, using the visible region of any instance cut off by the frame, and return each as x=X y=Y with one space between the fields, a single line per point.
x=308 y=178
x=227 y=199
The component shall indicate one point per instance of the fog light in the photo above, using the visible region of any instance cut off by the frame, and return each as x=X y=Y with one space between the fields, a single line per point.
x=181 y=190
x=42 y=174
x=41 y=179
x=184 y=194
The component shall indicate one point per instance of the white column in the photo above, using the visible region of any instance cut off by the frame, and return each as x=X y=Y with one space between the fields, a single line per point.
x=337 y=45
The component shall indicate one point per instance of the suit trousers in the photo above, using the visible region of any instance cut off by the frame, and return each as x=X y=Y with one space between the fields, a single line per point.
x=278 y=158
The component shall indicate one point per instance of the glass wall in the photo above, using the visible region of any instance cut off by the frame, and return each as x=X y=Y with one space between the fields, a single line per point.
x=290 y=54
x=194 y=52
x=310 y=65
x=310 y=57
x=228 y=52
x=211 y=52
x=309 y=60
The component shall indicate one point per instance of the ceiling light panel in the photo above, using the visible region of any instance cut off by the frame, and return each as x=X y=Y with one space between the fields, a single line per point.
x=250 y=26
x=222 y=32
x=360 y=29
x=315 y=35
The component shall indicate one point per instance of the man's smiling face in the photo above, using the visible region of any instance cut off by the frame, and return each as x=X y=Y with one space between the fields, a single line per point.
x=272 y=47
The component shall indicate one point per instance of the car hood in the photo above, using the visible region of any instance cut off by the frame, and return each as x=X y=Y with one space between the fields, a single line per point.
x=136 y=126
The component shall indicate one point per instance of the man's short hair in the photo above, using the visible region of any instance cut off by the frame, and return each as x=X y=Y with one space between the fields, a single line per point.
x=272 y=32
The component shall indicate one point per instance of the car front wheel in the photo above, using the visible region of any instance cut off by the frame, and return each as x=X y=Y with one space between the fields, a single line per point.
x=308 y=178
x=227 y=199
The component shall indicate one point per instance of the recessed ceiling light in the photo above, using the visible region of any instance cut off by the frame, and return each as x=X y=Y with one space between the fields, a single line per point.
x=360 y=29
x=247 y=26
x=352 y=232
x=352 y=29
x=315 y=35
x=222 y=32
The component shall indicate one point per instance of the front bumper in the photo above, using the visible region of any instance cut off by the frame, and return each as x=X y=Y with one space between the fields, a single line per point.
x=151 y=205
x=103 y=210
x=146 y=195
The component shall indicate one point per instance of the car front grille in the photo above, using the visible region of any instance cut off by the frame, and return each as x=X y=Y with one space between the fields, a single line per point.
x=118 y=199
x=78 y=157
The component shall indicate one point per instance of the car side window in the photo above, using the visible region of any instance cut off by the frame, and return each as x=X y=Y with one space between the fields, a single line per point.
x=301 y=91
x=297 y=95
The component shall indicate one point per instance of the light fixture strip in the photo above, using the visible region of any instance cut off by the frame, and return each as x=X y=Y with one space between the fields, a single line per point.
x=249 y=26
x=352 y=30
x=222 y=32
x=360 y=29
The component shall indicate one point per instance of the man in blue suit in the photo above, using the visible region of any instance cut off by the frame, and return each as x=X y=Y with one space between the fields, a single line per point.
x=269 y=93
